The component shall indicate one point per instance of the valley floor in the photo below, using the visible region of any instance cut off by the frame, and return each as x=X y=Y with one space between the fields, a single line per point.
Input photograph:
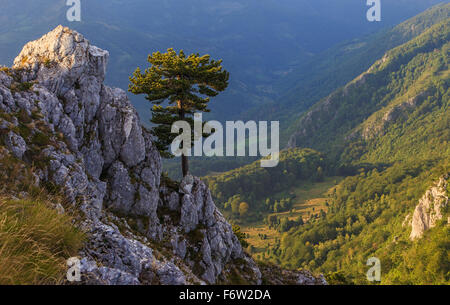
x=310 y=199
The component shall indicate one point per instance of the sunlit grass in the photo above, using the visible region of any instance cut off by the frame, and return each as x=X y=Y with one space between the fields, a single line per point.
x=35 y=242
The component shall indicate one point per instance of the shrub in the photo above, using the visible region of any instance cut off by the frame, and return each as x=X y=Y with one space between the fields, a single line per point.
x=241 y=236
x=19 y=87
x=40 y=139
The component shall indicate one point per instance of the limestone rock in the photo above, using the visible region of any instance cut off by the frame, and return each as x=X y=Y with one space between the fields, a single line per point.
x=429 y=209
x=61 y=60
x=16 y=144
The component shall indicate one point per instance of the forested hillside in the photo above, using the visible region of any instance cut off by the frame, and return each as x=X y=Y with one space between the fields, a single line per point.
x=396 y=117
x=408 y=84
x=368 y=218
x=388 y=132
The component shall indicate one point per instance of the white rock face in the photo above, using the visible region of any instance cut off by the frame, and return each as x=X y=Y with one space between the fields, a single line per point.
x=429 y=209
x=61 y=58
x=219 y=245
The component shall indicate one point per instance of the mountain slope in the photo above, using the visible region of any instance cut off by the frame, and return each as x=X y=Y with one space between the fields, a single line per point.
x=388 y=129
x=408 y=84
x=329 y=70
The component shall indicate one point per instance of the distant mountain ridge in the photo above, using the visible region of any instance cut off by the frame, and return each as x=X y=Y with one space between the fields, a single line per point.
x=327 y=71
x=258 y=41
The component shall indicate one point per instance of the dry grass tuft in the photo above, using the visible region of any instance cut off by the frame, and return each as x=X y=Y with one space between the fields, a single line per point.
x=35 y=242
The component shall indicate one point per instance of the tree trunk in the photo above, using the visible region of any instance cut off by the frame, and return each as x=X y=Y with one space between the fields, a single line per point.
x=184 y=165
x=184 y=159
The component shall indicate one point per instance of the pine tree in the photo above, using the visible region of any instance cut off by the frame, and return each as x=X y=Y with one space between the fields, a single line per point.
x=178 y=86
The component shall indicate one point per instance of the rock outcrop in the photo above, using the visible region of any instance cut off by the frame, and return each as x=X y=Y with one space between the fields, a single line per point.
x=86 y=139
x=378 y=126
x=430 y=209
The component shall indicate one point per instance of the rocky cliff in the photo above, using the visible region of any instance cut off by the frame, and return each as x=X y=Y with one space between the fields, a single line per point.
x=86 y=139
x=430 y=209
